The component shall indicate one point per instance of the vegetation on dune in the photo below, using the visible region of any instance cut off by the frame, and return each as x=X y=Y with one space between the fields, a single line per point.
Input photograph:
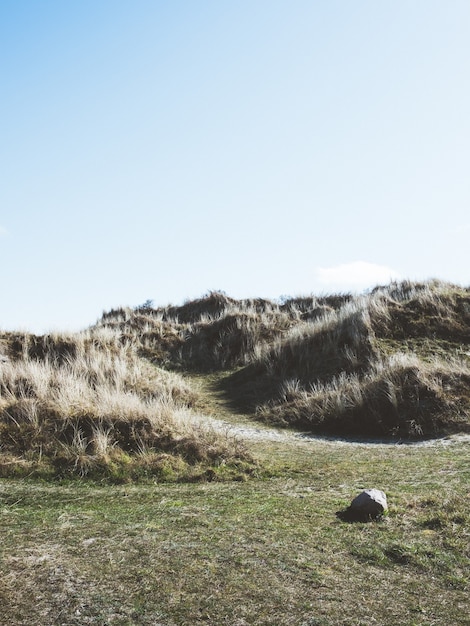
x=86 y=404
x=401 y=397
x=392 y=363
x=353 y=371
x=112 y=401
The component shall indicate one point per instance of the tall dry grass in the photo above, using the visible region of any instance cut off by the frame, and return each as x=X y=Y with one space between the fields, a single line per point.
x=338 y=350
x=87 y=403
x=335 y=365
x=214 y=332
x=345 y=374
x=401 y=397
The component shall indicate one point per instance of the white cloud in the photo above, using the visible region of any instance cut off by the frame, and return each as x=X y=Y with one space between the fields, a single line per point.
x=355 y=276
x=461 y=229
x=3 y=231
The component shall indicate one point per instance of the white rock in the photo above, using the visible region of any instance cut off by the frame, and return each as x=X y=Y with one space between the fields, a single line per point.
x=369 y=503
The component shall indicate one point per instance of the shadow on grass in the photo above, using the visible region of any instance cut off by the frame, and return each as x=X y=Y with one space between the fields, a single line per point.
x=352 y=516
x=245 y=389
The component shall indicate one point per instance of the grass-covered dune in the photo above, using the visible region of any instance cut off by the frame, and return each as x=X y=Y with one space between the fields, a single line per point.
x=88 y=404
x=393 y=363
x=116 y=400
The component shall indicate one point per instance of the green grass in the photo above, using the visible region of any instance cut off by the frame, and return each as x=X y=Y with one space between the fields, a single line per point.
x=267 y=551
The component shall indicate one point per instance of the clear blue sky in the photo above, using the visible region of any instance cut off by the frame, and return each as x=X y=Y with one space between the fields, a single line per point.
x=157 y=150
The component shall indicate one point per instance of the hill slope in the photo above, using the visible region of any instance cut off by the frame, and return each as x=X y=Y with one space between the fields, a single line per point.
x=116 y=401
x=392 y=363
x=88 y=404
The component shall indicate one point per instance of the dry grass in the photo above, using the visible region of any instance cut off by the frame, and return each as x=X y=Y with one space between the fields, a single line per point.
x=399 y=397
x=394 y=363
x=99 y=402
x=434 y=310
x=87 y=404
x=268 y=550
x=212 y=333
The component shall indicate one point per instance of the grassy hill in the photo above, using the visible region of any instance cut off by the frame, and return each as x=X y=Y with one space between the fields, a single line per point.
x=88 y=405
x=117 y=401
x=394 y=363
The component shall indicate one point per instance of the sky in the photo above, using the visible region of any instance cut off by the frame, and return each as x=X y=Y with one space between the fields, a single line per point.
x=156 y=150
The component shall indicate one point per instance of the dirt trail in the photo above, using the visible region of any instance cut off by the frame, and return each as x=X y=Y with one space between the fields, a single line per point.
x=216 y=408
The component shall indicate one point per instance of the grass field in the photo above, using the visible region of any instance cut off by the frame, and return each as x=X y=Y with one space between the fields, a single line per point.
x=266 y=551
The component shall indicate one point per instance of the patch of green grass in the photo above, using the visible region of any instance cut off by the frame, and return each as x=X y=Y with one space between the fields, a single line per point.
x=269 y=550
